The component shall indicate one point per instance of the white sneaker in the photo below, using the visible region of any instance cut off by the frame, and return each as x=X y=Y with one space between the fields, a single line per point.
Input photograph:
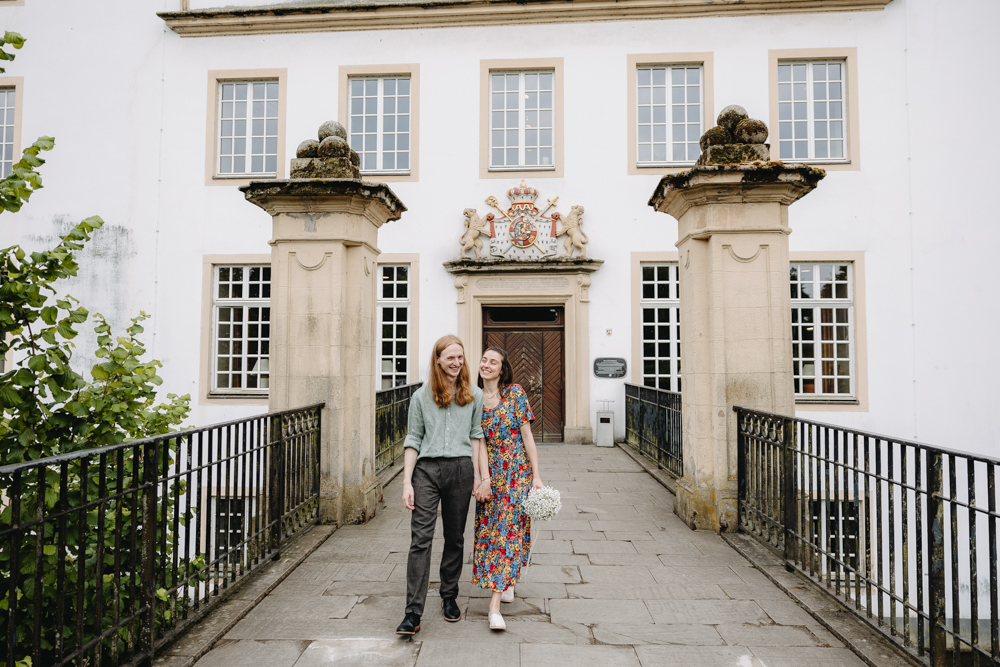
x=496 y=622
x=507 y=595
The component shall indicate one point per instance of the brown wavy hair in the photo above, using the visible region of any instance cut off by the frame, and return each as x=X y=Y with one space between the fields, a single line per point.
x=506 y=378
x=439 y=383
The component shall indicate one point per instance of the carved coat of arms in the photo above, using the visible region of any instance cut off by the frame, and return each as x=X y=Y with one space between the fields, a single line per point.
x=523 y=231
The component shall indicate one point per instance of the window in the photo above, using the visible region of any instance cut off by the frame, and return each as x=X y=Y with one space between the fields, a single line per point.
x=522 y=120
x=823 y=329
x=8 y=116
x=248 y=128
x=241 y=341
x=812 y=110
x=229 y=526
x=380 y=123
x=661 y=326
x=669 y=113
x=393 y=325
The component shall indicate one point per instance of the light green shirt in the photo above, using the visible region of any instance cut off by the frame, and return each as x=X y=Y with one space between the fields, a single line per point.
x=446 y=432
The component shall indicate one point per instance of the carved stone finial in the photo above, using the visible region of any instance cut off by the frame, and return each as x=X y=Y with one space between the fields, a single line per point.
x=329 y=157
x=730 y=117
x=737 y=139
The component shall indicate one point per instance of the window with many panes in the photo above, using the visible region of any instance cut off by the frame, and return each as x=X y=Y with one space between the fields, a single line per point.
x=242 y=328
x=812 y=110
x=522 y=120
x=669 y=113
x=823 y=329
x=248 y=128
x=393 y=325
x=660 y=308
x=7 y=120
x=380 y=122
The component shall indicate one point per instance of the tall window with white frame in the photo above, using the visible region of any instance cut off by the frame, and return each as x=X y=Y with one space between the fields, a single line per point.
x=380 y=123
x=7 y=120
x=248 y=129
x=242 y=329
x=393 y=325
x=823 y=330
x=811 y=111
x=660 y=308
x=669 y=112
x=522 y=122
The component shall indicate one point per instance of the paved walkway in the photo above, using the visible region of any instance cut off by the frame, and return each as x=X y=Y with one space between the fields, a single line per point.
x=617 y=579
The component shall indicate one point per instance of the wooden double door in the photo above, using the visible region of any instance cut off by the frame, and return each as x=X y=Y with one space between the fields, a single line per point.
x=532 y=337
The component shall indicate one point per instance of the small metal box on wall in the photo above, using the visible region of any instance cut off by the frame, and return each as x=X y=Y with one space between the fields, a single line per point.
x=605 y=425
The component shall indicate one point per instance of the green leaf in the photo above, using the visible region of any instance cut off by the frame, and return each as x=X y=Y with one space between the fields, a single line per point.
x=49 y=550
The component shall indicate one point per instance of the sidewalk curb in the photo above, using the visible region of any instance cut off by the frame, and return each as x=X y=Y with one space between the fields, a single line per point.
x=668 y=481
x=204 y=634
x=869 y=645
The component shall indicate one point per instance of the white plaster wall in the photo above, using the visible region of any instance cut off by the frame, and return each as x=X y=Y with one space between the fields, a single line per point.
x=125 y=99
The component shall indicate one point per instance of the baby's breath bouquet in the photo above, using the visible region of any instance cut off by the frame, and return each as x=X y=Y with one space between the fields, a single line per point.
x=543 y=504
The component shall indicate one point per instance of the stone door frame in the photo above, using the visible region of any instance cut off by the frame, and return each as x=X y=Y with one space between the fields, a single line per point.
x=562 y=283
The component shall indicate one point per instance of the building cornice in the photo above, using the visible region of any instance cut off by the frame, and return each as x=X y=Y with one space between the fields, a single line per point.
x=399 y=15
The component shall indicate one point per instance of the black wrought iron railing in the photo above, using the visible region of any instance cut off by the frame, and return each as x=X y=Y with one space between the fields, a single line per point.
x=653 y=425
x=107 y=553
x=902 y=533
x=392 y=407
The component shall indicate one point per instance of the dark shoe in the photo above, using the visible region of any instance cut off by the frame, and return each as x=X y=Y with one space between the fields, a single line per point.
x=451 y=611
x=409 y=626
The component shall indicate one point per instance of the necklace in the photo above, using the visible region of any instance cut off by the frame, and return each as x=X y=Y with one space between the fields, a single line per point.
x=493 y=396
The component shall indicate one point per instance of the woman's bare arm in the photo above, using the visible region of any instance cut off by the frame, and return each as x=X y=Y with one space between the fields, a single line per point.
x=532 y=451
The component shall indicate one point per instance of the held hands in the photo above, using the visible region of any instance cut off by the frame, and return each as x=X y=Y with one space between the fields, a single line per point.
x=484 y=492
x=407 y=495
x=537 y=483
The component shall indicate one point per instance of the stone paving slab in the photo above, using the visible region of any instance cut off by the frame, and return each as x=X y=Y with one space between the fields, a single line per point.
x=617 y=580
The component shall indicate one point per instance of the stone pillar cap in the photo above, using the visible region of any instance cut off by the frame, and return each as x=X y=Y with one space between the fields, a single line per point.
x=756 y=182
x=309 y=192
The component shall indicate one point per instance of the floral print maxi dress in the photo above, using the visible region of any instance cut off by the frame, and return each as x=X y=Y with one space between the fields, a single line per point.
x=503 y=529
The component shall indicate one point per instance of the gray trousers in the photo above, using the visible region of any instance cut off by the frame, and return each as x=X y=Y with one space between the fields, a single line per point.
x=448 y=482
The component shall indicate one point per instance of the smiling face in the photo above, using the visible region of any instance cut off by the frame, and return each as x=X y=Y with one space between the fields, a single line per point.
x=490 y=365
x=451 y=360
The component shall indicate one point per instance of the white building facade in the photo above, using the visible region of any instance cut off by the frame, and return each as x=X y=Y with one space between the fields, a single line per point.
x=158 y=120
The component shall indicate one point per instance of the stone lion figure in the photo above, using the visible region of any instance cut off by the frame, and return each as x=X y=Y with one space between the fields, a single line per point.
x=475 y=226
x=575 y=238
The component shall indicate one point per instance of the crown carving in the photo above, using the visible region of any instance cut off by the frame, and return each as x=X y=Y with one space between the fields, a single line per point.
x=522 y=194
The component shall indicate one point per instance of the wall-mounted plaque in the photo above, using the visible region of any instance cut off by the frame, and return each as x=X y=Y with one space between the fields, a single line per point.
x=610 y=367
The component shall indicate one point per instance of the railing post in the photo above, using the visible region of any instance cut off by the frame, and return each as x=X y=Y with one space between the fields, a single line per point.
x=274 y=483
x=147 y=577
x=935 y=544
x=741 y=468
x=788 y=491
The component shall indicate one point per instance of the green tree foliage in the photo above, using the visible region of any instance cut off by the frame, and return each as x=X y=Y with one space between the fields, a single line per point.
x=47 y=408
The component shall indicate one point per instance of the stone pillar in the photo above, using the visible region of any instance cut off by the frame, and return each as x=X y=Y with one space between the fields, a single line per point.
x=323 y=289
x=732 y=214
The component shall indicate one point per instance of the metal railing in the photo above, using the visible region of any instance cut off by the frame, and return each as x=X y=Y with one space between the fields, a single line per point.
x=892 y=528
x=653 y=425
x=107 y=553
x=392 y=407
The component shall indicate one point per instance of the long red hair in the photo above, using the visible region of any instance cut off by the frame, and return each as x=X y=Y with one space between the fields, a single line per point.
x=439 y=383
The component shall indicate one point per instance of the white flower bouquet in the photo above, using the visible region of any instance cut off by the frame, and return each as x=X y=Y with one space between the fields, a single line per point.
x=543 y=504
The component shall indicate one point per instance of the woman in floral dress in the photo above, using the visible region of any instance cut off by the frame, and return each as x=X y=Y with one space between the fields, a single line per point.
x=509 y=465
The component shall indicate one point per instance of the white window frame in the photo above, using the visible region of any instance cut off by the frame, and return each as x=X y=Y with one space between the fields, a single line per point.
x=380 y=122
x=669 y=300
x=394 y=302
x=810 y=102
x=248 y=135
x=668 y=122
x=817 y=302
x=246 y=302
x=521 y=121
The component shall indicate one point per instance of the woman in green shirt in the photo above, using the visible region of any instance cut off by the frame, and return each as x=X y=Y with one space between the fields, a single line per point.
x=441 y=467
